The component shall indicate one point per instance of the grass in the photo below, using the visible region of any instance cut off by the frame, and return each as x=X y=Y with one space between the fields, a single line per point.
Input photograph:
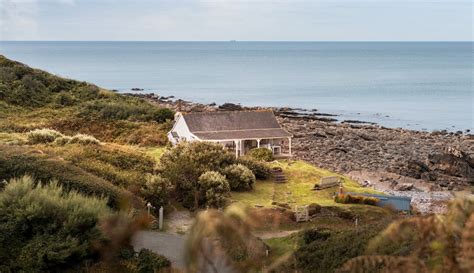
x=156 y=152
x=301 y=177
x=282 y=246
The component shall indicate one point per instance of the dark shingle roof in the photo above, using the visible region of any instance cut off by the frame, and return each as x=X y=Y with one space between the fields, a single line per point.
x=234 y=125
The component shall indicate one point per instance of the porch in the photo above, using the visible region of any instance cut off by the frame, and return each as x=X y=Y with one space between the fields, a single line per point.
x=280 y=147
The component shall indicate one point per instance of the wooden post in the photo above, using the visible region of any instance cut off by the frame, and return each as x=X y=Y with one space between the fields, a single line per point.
x=258 y=143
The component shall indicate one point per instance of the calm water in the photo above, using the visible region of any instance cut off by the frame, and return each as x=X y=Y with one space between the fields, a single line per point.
x=411 y=85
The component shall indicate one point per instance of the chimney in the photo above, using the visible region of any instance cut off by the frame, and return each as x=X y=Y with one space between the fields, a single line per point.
x=180 y=102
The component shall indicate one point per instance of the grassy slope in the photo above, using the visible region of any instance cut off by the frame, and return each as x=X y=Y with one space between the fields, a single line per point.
x=31 y=98
x=302 y=177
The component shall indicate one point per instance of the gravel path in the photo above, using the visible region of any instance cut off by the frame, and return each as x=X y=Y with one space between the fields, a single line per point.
x=169 y=245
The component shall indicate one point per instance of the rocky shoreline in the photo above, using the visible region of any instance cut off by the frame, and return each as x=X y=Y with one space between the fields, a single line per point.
x=384 y=158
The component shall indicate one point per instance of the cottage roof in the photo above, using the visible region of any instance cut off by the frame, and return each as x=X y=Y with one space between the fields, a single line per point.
x=234 y=125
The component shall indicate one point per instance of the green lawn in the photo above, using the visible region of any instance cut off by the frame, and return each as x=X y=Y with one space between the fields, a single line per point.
x=302 y=177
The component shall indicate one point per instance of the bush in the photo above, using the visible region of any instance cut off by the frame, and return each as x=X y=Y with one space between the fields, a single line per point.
x=149 y=262
x=42 y=136
x=46 y=228
x=183 y=164
x=239 y=177
x=136 y=110
x=215 y=188
x=156 y=190
x=61 y=141
x=313 y=209
x=330 y=249
x=260 y=169
x=84 y=140
x=262 y=154
x=17 y=161
x=65 y=99
x=314 y=234
x=355 y=199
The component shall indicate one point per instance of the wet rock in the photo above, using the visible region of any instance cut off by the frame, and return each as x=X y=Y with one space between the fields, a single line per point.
x=230 y=107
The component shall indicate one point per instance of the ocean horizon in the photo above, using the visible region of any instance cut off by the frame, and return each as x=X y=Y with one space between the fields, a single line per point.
x=413 y=85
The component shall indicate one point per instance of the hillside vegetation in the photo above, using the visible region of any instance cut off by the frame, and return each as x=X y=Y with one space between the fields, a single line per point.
x=31 y=98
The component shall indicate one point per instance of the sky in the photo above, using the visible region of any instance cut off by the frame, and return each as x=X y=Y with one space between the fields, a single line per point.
x=223 y=20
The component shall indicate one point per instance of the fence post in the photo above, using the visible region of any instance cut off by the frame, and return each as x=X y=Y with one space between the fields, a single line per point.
x=160 y=224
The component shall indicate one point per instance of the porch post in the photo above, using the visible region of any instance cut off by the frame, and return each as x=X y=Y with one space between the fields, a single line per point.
x=236 y=143
x=258 y=143
x=289 y=145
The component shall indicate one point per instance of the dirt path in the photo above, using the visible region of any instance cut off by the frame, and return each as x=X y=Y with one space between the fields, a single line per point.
x=274 y=234
x=178 y=221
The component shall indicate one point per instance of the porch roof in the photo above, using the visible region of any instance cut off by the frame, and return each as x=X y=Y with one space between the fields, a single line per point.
x=243 y=134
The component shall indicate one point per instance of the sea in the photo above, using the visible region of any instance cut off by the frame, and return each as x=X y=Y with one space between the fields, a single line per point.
x=413 y=85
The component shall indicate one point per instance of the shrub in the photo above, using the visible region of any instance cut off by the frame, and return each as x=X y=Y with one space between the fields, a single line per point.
x=313 y=209
x=61 y=141
x=314 y=234
x=65 y=99
x=156 y=190
x=183 y=164
x=42 y=136
x=215 y=188
x=149 y=262
x=46 y=228
x=262 y=154
x=260 y=169
x=239 y=177
x=136 y=110
x=331 y=249
x=16 y=161
x=84 y=140
x=355 y=199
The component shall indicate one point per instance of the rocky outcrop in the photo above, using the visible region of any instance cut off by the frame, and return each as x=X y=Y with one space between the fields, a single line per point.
x=440 y=158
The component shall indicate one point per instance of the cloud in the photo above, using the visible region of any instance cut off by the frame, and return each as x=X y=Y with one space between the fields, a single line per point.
x=18 y=19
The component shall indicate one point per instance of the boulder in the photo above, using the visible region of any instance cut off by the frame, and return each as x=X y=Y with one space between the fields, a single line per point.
x=230 y=107
x=452 y=165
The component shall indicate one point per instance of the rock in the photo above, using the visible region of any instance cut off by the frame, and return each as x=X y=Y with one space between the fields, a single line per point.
x=404 y=187
x=451 y=165
x=230 y=107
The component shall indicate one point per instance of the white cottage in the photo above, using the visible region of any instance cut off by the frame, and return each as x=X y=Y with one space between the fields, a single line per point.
x=238 y=131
